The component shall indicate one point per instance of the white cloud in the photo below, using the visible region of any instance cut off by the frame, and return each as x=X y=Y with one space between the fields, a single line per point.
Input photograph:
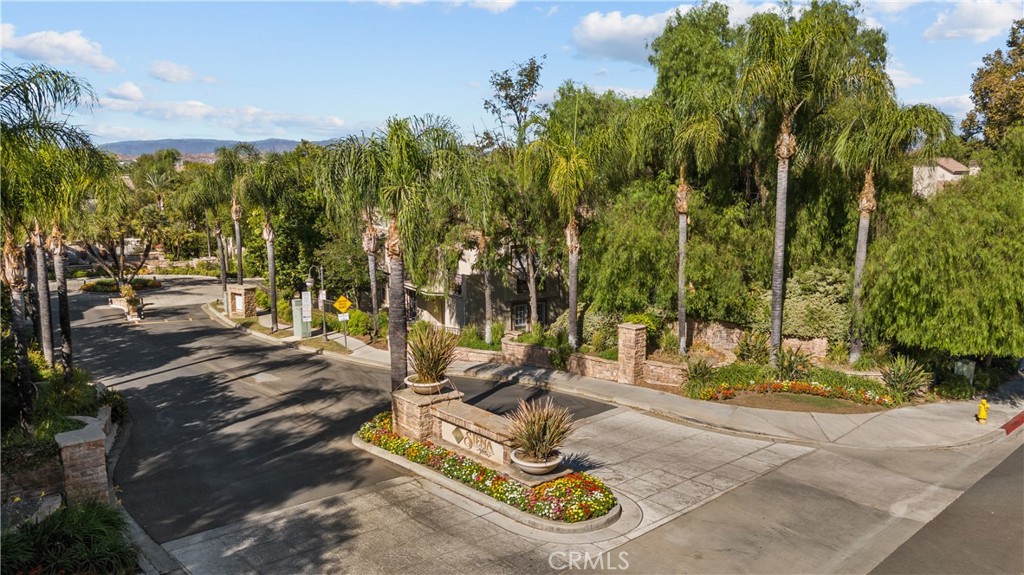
x=397 y=3
x=956 y=106
x=495 y=6
x=616 y=36
x=977 y=20
x=57 y=48
x=118 y=132
x=167 y=71
x=246 y=120
x=620 y=37
x=626 y=92
x=901 y=77
x=891 y=6
x=552 y=11
x=601 y=72
x=126 y=91
x=473 y=85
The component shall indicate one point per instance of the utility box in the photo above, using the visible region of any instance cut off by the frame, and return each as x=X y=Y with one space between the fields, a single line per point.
x=300 y=328
x=965 y=367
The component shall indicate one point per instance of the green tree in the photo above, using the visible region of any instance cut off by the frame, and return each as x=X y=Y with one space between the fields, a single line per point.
x=229 y=170
x=948 y=278
x=997 y=91
x=206 y=193
x=265 y=186
x=874 y=133
x=418 y=159
x=794 y=69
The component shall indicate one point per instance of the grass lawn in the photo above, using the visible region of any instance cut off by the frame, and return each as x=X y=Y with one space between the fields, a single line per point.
x=800 y=402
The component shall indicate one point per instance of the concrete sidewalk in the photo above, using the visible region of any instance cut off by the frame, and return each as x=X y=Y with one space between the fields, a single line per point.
x=944 y=424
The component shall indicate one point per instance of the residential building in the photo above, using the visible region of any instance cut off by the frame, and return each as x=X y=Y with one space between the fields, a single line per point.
x=930 y=178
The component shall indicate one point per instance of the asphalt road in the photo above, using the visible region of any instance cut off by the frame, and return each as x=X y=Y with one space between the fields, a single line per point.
x=225 y=426
x=981 y=532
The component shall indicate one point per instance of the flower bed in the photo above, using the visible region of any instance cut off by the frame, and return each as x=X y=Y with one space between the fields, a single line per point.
x=740 y=376
x=110 y=286
x=572 y=498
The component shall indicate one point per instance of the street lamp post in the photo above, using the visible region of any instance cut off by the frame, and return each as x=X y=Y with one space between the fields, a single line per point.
x=323 y=288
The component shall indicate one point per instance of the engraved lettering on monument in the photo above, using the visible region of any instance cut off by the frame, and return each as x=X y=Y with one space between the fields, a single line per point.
x=471 y=441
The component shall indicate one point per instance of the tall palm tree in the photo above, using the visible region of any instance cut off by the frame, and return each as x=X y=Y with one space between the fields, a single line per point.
x=205 y=193
x=481 y=183
x=417 y=159
x=34 y=101
x=230 y=168
x=794 y=70
x=348 y=180
x=572 y=172
x=265 y=185
x=871 y=134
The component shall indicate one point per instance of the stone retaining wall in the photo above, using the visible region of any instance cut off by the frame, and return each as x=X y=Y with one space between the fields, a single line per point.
x=525 y=354
x=661 y=373
x=817 y=348
x=42 y=478
x=83 y=453
x=590 y=366
x=478 y=355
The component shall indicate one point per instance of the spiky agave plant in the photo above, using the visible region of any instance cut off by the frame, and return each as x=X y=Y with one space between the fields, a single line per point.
x=538 y=428
x=431 y=351
x=905 y=377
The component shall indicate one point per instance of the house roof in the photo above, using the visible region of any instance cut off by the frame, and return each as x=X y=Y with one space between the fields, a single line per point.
x=952 y=166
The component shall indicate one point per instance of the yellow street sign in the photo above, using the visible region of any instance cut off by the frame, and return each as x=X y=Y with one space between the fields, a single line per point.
x=342 y=304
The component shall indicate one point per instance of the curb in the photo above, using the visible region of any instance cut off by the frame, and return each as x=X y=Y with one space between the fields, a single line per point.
x=530 y=379
x=152 y=559
x=522 y=517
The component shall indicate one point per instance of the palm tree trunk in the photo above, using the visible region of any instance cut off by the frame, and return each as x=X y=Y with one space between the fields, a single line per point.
x=867 y=205
x=396 y=310
x=34 y=331
x=14 y=278
x=222 y=255
x=488 y=307
x=236 y=218
x=572 y=241
x=43 y=295
x=268 y=236
x=682 y=209
x=531 y=285
x=370 y=247
x=60 y=257
x=785 y=147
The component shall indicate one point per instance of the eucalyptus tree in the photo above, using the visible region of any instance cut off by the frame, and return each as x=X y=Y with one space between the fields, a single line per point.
x=871 y=134
x=265 y=186
x=793 y=71
x=348 y=180
x=418 y=159
x=229 y=169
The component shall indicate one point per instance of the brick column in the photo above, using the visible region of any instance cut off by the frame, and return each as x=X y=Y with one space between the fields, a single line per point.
x=632 y=352
x=410 y=412
x=84 y=455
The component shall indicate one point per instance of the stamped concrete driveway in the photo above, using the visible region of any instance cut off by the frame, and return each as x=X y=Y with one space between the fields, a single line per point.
x=225 y=426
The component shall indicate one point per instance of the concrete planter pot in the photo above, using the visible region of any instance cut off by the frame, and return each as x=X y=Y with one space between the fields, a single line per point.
x=533 y=467
x=426 y=388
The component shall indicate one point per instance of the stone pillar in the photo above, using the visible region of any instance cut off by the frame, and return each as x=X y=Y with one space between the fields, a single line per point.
x=84 y=455
x=411 y=414
x=632 y=352
x=241 y=301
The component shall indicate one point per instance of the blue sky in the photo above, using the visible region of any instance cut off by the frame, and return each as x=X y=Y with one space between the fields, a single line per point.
x=254 y=70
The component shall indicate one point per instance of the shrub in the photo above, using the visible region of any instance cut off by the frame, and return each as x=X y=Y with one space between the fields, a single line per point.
x=753 y=347
x=599 y=341
x=817 y=305
x=284 y=311
x=699 y=376
x=262 y=299
x=838 y=352
x=431 y=351
x=669 y=341
x=117 y=402
x=905 y=377
x=497 y=333
x=611 y=353
x=539 y=428
x=471 y=338
x=740 y=374
x=791 y=364
x=358 y=322
x=90 y=537
x=955 y=386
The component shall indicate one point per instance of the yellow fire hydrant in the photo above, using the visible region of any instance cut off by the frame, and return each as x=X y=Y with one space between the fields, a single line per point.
x=983 y=411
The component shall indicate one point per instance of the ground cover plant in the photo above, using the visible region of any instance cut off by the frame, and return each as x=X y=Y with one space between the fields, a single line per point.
x=89 y=539
x=107 y=285
x=572 y=498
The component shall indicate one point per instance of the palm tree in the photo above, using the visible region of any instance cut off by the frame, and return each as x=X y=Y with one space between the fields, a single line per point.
x=871 y=134
x=229 y=168
x=571 y=174
x=34 y=101
x=795 y=69
x=417 y=159
x=348 y=180
x=205 y=193
x=481 y=205
x=264 y=186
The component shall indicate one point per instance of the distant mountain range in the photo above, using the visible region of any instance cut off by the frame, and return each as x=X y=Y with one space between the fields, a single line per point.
x=194 y=146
